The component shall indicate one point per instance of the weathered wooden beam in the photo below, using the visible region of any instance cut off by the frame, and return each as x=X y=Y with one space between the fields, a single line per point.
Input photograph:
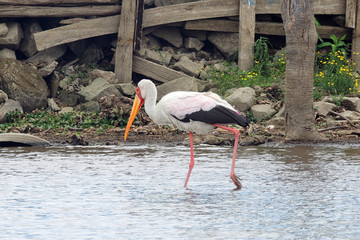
x=350 y=16
x=246 y=34
x=155 y=71
x=56 y=2
x=125 y=42
x=81 y=30
x=47 y=11
x=266 y=28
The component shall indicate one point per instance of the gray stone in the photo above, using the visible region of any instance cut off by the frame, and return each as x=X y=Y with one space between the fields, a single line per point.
x=179 y=84
x=3 y=97
x=3 y=29
x=27 y=45
x=23 y=84
x=150 y=42
x=66 y=110
x=161 y=57
x=78 y=47
x=13 y=37
x=169 y=34
x=200 y=35
x=323 y=108
x=351 y=115
x=107 y=75
x=351 y=103
x=7 y=53
x=262 y=111
x=9 y=106
x=48 y=55
x=70 y=99
x=227 y=43
x=148 y=3
x=48 y=69
x=126 y=89
x=54 y=84
x=52 y=105
x=189 y=67
x=91 y=106
x=242 y=98
x=92 y=54
x=277 y=121
x=193 y=44
x=98 y=89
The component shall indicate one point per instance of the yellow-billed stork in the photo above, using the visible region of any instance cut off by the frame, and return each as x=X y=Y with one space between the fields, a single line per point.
x=189 y=111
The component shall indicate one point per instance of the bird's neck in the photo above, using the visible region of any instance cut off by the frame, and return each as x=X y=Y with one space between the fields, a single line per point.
x=150 y=104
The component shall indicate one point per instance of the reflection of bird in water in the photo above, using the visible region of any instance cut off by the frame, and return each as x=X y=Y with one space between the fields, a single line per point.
x=189 y=111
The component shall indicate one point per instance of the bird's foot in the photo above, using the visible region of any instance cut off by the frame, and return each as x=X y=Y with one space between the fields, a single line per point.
x=236 y=181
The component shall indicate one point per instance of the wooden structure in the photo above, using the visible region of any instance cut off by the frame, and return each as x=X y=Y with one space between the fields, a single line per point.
x=205 y=15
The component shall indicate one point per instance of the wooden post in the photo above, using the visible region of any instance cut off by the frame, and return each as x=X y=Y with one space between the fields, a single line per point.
x=246 y=34
x=350 y=15
x=355 y=47
x=125 y=42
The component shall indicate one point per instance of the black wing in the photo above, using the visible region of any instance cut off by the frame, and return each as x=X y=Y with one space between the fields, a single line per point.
x=217 y=115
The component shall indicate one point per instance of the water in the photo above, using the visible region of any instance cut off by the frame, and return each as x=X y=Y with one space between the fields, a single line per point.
x=135 y=192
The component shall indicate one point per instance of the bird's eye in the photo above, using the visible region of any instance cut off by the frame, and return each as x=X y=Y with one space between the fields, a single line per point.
x=138 y=92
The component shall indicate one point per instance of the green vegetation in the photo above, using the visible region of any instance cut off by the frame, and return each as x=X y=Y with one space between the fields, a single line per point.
x=50 y=120
x=334 y=72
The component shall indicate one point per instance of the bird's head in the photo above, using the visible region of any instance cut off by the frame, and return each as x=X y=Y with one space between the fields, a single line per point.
x=138 y=102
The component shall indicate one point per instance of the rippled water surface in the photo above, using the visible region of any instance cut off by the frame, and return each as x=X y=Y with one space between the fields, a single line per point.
x=135 y=192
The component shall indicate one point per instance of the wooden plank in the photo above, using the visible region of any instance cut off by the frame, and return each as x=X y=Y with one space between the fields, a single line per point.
x=355 y=46
x=246 y=34
x=21 y=139
x=71 y=33
x=56 y=2
x=350 y=16
x=47 y=11
x=266 y=28
x=190 y=11
x=155 y=71
x=125 y=42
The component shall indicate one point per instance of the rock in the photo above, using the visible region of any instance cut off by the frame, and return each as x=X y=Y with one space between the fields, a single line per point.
x=323 y=108
x=281 y=112
x=65 y=83
x=92 y=54
x=27 y=45
x=193 y=44
x=13 y=37
x=170 y=34
x=189 y=67
x=71 y=99
x=126 y=89
x=148 y=3
x=200 y=35
x=242 y=98
x=3 y=97
x=107 y=75
x=150 y=42
x=262 y=111
x=351 y=103
x=91 y=106
x=227 y=43
x=277 y=121
x=3 y=30
x=179 y=84
x=351 y=115
x=48 y=69
x=78 y=47
x=23 y=84
x=9 y=106
x=52 y=105
x=66 y=110
x=7 y=53
x=161 y=57
x=98 y=89
x=48 y=55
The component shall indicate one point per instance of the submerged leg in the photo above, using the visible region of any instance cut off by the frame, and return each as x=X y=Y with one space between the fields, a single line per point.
x=233 y=177
x=192 y=162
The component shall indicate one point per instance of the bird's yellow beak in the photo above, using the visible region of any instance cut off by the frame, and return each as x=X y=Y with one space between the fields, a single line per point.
x=135 y=109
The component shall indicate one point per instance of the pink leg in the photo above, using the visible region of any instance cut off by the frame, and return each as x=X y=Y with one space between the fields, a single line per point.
x=233 y=177
x=192 y=162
